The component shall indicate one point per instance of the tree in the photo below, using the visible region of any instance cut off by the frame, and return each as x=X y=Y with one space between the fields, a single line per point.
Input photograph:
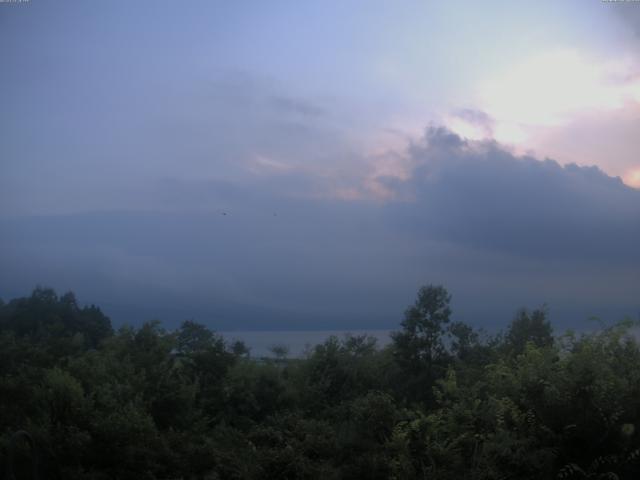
x=525 y=327
x=463 y=339
x=419 y=348
x=280 y=351
x=193 y=337
x=44 y=315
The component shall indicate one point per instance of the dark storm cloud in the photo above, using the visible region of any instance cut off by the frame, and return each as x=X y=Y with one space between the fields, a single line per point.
x=480 y=194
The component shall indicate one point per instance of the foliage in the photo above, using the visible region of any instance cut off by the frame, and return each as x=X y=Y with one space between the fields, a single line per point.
x=442 y=401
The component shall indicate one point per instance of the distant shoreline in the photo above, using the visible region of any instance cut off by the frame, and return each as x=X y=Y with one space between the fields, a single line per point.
x=260 y=342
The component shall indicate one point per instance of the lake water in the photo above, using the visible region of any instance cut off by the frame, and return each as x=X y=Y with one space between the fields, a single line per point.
x=296 y=340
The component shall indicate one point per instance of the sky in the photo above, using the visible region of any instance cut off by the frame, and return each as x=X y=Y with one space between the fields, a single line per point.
x=309 y=165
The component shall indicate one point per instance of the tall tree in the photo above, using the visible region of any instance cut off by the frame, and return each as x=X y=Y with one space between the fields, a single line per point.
x=419 y=346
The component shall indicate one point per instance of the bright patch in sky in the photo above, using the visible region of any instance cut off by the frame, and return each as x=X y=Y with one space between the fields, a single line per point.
x=563 y=93
x=548 y=89
x=509 y=133
x=633 y=178
x=467 y=129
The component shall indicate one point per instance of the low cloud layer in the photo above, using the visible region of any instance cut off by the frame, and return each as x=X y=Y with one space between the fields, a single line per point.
x=499 y=230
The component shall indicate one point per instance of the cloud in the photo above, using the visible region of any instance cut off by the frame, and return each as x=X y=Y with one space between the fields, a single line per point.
x=479 y=193
x=298 y=106
x=500 y=230
x=606 y=139
x=548 y=101
x=471 y=123
x=227 y=126
x=557 y=93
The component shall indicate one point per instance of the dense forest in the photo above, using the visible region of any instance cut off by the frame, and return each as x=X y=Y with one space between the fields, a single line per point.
x=441 y=401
